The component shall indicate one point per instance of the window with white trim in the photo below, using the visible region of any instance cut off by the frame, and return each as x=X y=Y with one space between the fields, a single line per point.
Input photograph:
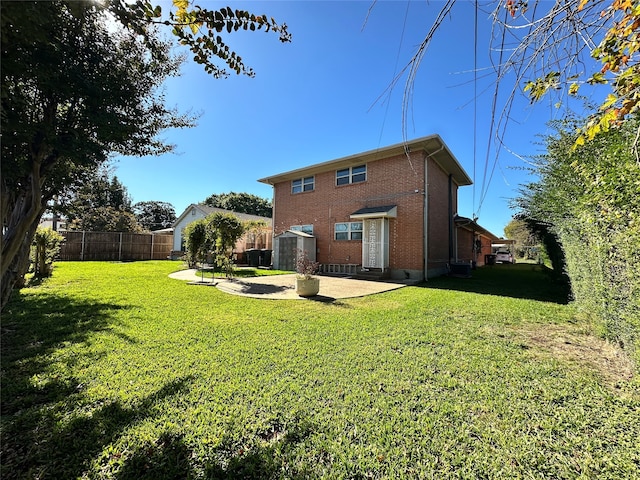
x=306 y=184
x=351 y=175
x=302 y=228
x=348 y=231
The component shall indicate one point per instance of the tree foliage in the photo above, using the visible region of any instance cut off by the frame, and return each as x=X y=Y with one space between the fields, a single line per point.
x=617 y=52
x=81 y=81
x=256 y=232
x=241 y=203
x=196 y=242
x=214 y=237
x=106 y=219
x=100 y=204
x=224 y=231
x=101 y=195
x=525 y=240
x=72 y=93
x=590 y=200
x=154 y=215
x=540 y=47
x=201 y=30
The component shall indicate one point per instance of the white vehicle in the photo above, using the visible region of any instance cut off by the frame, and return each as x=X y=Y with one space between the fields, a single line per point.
x=504 y=256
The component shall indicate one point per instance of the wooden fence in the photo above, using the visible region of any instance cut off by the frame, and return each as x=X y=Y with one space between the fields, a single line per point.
x=115 y=246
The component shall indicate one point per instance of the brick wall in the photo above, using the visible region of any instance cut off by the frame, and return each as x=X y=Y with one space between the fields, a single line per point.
x=465 y=246
x=439 y=216
x=396 y=181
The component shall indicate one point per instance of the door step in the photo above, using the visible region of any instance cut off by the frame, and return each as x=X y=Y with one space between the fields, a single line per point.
x=373 y=274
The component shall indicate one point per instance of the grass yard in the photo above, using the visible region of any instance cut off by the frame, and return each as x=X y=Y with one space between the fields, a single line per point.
x=115 y=371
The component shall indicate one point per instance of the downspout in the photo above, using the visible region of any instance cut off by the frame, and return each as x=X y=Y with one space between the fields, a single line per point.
x=450 y=218
x=274 y=264
x=425 y=208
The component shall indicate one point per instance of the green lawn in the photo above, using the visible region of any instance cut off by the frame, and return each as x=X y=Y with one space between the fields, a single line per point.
x=113 y=370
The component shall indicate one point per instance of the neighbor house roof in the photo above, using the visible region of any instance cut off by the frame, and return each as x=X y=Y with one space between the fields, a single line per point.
x=206 y=210
x=431 y=145
x=471 y=225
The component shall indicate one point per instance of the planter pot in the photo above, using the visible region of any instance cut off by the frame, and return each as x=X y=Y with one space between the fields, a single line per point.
x=307 y=287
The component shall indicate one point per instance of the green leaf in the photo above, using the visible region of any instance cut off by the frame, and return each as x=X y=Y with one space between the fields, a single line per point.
x=597 y=77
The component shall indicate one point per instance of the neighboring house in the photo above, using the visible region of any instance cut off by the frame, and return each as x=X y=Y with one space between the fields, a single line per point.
x=391 y=210
x=53 y=222
x=250 y=240
x=473 y=241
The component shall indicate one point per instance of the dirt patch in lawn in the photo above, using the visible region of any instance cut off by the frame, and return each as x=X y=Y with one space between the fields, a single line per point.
x=608 y=359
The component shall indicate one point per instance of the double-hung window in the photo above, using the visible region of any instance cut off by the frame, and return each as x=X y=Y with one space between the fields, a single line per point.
x=300 y=185
x=348 y=231
x=351 y=175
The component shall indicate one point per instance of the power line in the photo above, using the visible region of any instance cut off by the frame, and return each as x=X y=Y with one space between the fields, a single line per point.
x=395 y=68
x=485 y=184
x=475 y=102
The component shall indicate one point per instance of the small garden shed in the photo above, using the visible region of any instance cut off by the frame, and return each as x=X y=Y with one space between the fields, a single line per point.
x=289 y=245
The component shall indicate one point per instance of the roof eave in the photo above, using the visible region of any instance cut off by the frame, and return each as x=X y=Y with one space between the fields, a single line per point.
x=469 y=224
x=432 y=145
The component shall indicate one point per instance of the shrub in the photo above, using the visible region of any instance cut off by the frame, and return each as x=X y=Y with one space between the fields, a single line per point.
x=305 y=267
x=45 y=247
x=588 y=199
x=196 y=242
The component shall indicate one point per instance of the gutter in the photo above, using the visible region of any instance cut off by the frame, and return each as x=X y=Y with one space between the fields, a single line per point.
x=451 y=218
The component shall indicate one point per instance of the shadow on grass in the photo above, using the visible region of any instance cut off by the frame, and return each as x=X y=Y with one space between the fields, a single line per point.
x=48 y=429
x=525 y=280
x=33 y=327
x=170 y=457
x=44 y=443
x=51 y=430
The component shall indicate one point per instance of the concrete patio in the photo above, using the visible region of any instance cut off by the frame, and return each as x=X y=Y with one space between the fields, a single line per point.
x=282 y=287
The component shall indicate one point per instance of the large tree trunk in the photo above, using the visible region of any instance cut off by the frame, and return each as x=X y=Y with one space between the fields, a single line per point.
x=21 y=211
x=13 y=275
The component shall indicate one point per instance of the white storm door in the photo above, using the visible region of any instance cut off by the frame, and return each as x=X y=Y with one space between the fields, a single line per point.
x=375 y=244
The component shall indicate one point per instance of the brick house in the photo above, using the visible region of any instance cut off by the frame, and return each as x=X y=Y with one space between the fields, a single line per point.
x=391 y=210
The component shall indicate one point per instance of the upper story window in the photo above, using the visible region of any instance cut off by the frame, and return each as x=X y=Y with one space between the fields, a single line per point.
x=348 y=231
x=300 y=185
x=351 y=175
x=302 y=228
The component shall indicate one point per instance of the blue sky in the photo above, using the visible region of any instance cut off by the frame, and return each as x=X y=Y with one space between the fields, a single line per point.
x=324 y=96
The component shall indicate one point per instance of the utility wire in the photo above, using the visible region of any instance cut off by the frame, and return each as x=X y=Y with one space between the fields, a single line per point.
x=475 y=102
x=395 y=69
x=494 y=102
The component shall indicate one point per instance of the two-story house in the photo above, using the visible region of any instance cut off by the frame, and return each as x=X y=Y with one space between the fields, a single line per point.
x=392 y=210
